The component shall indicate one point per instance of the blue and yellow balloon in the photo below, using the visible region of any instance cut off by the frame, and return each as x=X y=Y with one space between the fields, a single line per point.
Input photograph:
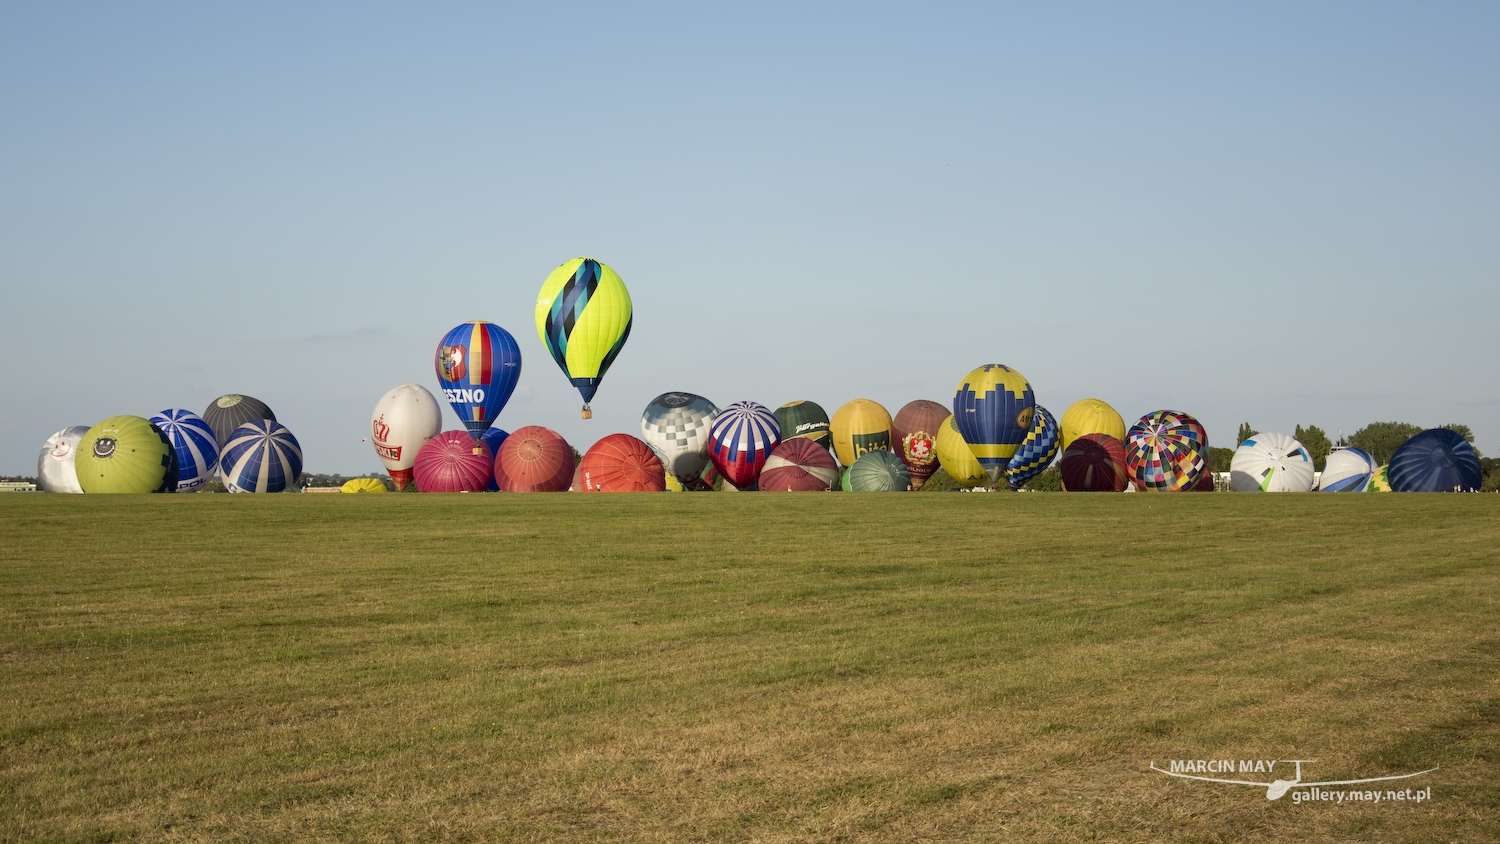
x=1037 y=451
x=994 y=408
x=583 y=316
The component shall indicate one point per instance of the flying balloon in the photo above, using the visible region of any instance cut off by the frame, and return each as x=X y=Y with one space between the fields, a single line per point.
x=478 y=364
x=1166 y=451
x=740 y=440
x=534 y=459
x=879 y=471
x=1271 y=462
x=228 y=412
x=804 y=419
x=55 y=471
x=404 y=419
x=1347 y=470
x=1036 y=452
x=993 y=408
x=676 y=425
x=261 y=456
x=860 y=426
x=799 y=464
x=620 y=463
x=125 y=454
x=1094 y=463
x=453 y=461
x=1436 y=460
x=1090 y=416
x=914 y=438
x=196 y=446
x=583 y=315
x=955 y=456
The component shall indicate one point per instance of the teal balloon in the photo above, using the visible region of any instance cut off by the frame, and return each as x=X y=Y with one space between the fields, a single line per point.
x=879 y=471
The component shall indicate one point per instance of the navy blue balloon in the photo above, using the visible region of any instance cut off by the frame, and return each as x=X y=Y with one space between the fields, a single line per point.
x=478 y=364
x=1436 y=460
x=493 y=438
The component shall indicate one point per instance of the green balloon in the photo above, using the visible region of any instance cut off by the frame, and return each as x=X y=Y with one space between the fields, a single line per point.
x=126 y=454
x=804 y=419
x=879 y=471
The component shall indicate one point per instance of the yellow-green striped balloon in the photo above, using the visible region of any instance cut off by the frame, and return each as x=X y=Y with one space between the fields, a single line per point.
x=583 y=316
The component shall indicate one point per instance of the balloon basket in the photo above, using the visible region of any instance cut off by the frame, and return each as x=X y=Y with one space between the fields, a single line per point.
x=587 y=413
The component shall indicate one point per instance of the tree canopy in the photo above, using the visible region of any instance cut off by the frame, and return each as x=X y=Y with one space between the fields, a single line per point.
x=1381 y=439
x=1246 y=432
x=1317 y=444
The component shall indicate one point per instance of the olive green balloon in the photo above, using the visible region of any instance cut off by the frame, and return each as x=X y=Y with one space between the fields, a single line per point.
x=125 y=454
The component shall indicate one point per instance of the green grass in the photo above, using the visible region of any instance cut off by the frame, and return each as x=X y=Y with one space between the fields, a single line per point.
x=748 y=667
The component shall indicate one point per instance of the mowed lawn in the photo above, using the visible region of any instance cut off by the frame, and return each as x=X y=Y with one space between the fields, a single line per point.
x=766 y=667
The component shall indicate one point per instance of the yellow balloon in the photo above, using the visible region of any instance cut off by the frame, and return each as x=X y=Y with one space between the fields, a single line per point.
x=363 y=485
x=860 y=426
x=1090 y=416
x=955 y=456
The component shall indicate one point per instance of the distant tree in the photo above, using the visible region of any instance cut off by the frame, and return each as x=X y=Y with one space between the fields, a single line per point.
x=1246 y=432
x=942 y=482
x=1316 y=442
x=1381 y=439
x=1463 y=431
x=1219 y=459
x=1048 y=481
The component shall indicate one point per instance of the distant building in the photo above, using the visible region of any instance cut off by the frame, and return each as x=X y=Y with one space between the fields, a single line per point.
x=17 y=486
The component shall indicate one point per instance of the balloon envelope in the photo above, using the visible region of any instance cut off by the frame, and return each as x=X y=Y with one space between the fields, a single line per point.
x=478 y=364
x=363 y=485
x=740 y=440
x=54 y=466
x=534 y=459
x=1166 y=451
x=1347 y=470
x=1094 y=463
x=1436 y=460
x=1271 y=462
x=620 y=463
x=227 y=412
x=494 y=438
x=404 y=419
x=453 y=461
x=583 y=315
x=196 y=446
x=799 y=464
x=914 y=438
x=676 y=425
x=261 y=456
x=1090 y=416
x=955 y=456
x=1037 y=451
x=993 y=408
x=125 y=454
x=858 y=427
x=804 y=419
x=1381 y=480
x=879 y=471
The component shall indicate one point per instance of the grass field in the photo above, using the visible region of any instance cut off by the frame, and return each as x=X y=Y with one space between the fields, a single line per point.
x=741 y=668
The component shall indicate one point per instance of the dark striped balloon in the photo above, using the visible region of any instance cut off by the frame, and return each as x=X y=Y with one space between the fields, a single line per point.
x=799 y=464
x=741 y=439
x=453 y=461
x=226 y=413
x=1094 y=463
x=260 y=456
x=1436 y=460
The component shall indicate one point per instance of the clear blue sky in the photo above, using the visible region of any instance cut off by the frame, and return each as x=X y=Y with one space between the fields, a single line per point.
x=1278 y=214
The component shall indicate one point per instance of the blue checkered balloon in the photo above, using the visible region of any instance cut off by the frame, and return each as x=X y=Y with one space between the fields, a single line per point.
x=1037 y=450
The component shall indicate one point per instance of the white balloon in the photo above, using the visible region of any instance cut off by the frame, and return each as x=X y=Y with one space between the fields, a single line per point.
x=404 y=420
x=54 y=467
x=1271 y=463
x=1347 y=470
x=676 y=425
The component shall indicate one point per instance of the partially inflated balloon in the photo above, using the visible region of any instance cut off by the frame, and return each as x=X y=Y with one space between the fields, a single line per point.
x=804 y=419
x=1347 y=470
x=879 y=471
x=955 y=456
x=261 y=456
x=228 y=412
x=676 y=425
x=1436 y=460
x=1090 y=416
x=1094 y=463
x=583 y=315
x=1381 y=480
x=494 y=438
x=534 y=459
x=404 y=419
x=799 y=464
x=1166 y=451
x=620 y=463
x=361 y=485
x=196 y=446
x=914 y=438
x=993 y=408
x=1037 y=451
x=125 y=454
x=478 y=364
x=740 y=440
x=55 y=471
x=453 y=461
x=858 y=427
x=1271 y=462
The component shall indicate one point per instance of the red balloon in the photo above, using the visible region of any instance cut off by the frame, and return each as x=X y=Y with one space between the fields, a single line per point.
x=534 y=459
x=799 y=465
x=914 y=438
x=453 y=461
x=620 y=463
x=1094 y=463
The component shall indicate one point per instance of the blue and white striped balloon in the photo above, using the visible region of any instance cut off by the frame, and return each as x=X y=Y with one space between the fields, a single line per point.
x=197 y=449
x=261 y=456
x=740 y=439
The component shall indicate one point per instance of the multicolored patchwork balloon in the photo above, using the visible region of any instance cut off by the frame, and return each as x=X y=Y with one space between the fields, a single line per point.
x=583 y=315
x=478 y=364
x=1037 y=450
x=1166 y=451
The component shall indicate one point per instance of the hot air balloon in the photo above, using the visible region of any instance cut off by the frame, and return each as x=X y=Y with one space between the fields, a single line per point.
x=1436 y=460
x=196 y=446
x=955 y=456
x=879 y=471
x=478 y=364
x=993 y=408
x=54 y=467
x=125 y=454
x=583 y=315
x=676 y=425
x=534 y=459
x=1166 y=451
x=1037 y=451
x=1090 y=416
x=914 y=438
x=453 y=461
x=228 y=412
x=740 y=440
x=1347 y=470
x=804 y=419
x=358 y=485
x=404 y=419
x=860 y=426
x=1094 y=463
x=494 y=438
x=1271 y=462
x=799 y=464
x=261 y=456
x=620 y=463
x=1381 y=480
